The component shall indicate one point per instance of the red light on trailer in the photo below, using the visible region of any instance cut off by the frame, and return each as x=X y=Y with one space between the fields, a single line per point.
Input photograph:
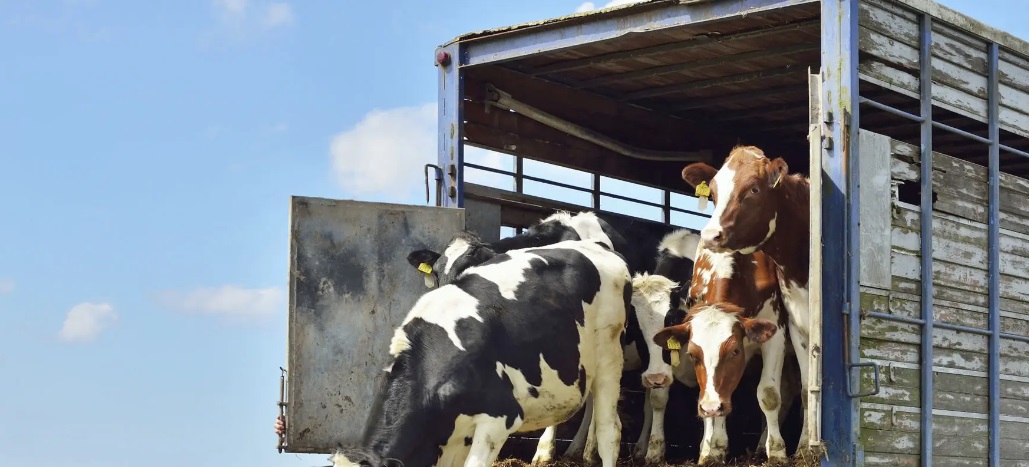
x=443 y=58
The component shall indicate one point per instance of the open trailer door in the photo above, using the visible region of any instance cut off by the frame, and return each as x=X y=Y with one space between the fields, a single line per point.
x=349 y=286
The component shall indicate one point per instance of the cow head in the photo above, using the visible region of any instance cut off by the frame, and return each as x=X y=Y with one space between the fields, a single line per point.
x=652 y=298
x=713 y=336
x=464 y=251
x=745 y=194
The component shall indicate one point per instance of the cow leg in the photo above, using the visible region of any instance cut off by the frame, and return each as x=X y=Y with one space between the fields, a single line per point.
x=606 y=389
x=656 y=446
x=715 y=442
x=490 y=435
x=641 y=443
x=575 y=449
x=545 y=449
x=800 y=347
x=769 y=394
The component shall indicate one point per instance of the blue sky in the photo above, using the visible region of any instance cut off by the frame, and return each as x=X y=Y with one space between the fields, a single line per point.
x=147 y=156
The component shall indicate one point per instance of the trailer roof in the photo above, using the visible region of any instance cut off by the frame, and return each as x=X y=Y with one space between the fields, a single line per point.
x=938 y=11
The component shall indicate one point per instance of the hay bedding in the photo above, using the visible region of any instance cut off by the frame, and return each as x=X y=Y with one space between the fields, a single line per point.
x=807 y=458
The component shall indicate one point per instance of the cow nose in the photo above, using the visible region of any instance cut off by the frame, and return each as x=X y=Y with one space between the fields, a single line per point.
x=657 y=380
x=712 y=408
x=712 y=237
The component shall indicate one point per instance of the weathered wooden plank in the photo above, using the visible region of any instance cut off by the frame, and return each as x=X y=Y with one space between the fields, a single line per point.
x=906 y=57
x=887 y=417
x=899 y=24
x=1014 y=407
x=1014 y=390
x=899 y=442
x=959 y=276
x=967 y=238
x=946 y=358
x=1015 y=449
x=942 y=292
x=911 y=153
x=956 y=47
x=874 y=196
x=885 y=459
x=1012 y=70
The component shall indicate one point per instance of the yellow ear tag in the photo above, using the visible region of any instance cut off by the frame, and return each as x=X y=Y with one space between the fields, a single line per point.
x=703 y=191
x=673 y=343
x=675 y=358
x=424 y=267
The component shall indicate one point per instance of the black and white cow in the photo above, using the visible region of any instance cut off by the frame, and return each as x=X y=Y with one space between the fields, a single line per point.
x=514 y=344
x=638 y=350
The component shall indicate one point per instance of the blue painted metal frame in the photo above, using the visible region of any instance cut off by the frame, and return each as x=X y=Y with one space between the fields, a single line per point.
x=542 y=39
x=993 y=244
x=839 y=228
x=450 y=128
x=926 y=235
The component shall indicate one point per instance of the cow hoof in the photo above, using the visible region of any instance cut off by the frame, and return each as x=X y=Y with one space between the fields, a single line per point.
x=540 y=459
x=712 y=460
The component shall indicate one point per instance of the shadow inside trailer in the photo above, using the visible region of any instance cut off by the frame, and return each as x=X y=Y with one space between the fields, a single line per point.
x=683 y=427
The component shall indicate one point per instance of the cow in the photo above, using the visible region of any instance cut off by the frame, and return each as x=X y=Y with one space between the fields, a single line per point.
x=760 y=207
x=441 y=268
x=514 y=344
x=747 y=281
x=655 y=308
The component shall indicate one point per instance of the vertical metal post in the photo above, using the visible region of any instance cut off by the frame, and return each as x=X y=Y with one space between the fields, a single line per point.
x=667 y=208
x=450 y=127
x=850 y=146
x=839 y=96
x=926 y=235
x=993 y=245
x=596 y=191
x=519 y=171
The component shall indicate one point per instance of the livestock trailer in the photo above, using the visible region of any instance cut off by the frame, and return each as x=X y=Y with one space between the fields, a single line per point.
x=911 y=119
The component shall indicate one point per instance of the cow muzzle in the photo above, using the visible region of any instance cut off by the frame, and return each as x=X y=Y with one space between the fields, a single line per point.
x=713 y=408
x=657 y=381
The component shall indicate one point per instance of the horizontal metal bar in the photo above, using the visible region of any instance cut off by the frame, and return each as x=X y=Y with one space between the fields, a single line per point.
x=958 y=327
x=707 y=83
x=960 y=132
x=687 y=211
x=1014 y=151
x=489 y=169
x=889 y=109
x=900 y=319
x=698 y=64
x=550 y=37
x=1014 y=337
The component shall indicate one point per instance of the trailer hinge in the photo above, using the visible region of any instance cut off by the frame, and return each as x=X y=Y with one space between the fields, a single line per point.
x=850 y=377
x=282 y=408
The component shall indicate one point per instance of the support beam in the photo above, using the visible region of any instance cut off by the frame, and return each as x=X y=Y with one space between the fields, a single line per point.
x=707 y=83
x=993 y=245
x=449 y=128
x=698 y=64
x=926 y=237
x=554 y=36
x=840 y=208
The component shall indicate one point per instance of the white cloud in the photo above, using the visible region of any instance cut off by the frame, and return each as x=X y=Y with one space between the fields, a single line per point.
x=86 y=321
x=242 y=15
x=227 y=300
x=384 y=155
x=589 y=6
x=6 y=286
x=278 y=14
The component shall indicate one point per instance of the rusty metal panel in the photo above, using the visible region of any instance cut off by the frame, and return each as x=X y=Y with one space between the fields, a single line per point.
x=349 y=286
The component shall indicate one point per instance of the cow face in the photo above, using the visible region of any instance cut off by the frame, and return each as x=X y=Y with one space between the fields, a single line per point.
x=464 y=251
x=713 y=336
x=651 y=298
x=745 y=198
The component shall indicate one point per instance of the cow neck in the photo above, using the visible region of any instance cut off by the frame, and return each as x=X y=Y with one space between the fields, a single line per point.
x=397 y=423
x=788 y=247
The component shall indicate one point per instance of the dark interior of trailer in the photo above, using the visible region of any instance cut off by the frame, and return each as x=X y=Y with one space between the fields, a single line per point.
x=707 y=86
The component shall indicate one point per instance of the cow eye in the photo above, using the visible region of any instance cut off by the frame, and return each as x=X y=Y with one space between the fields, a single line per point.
x=754 y=190
x=736 y=352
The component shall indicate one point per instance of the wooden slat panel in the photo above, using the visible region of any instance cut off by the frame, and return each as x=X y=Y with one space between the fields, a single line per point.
x=875 y=209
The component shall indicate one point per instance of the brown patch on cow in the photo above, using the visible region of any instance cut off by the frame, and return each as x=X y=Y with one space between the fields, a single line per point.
x=770 y=399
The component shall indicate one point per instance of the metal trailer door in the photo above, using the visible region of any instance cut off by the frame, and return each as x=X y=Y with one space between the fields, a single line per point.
x=349 y=286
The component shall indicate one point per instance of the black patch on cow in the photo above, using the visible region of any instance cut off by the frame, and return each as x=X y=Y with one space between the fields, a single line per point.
x=534 y=392
x=543 y=316
x=468 y=441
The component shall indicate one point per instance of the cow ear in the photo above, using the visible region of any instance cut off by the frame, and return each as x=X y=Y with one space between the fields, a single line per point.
x=417 y=257
x=673 y=337
x=759 y=330
x=698 y=172
x=777 y=169
x=392 y=463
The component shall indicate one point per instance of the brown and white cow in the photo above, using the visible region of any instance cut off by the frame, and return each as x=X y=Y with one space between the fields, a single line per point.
x=760 y=207
x=735 y=312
